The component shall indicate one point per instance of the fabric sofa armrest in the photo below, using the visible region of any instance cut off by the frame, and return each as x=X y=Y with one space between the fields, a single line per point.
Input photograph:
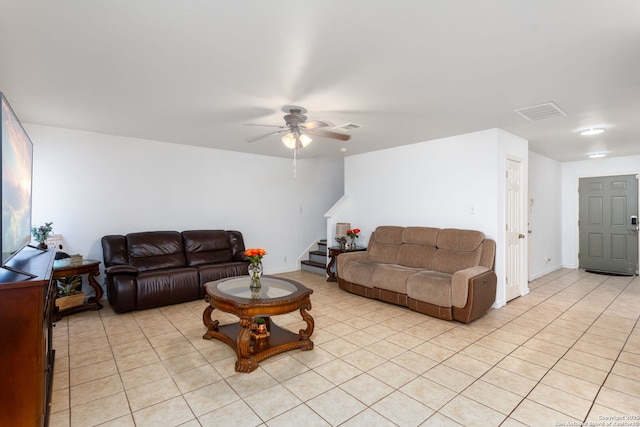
x=460 y=284
x=121 y=269
x=344 y=258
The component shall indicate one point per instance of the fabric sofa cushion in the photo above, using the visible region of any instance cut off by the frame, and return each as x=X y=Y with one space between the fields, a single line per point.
x=361 y=272
x=418 y=256
x=392 y=277
x=432 y=287
x=207 y=247
x=156 y=250
x=447 y=261
x=459 y=240
x=421 y=235
x=457 y=250
x=386 y=244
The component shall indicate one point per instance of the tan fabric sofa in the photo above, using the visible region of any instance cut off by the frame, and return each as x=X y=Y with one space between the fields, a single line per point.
x=445 y=273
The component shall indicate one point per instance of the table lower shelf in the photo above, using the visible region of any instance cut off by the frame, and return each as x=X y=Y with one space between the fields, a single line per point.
x=59 y=314
x=258 y=349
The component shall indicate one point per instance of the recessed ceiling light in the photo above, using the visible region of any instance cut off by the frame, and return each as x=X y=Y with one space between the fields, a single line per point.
x=344 y=150
x=597 y=155
x=591 y=131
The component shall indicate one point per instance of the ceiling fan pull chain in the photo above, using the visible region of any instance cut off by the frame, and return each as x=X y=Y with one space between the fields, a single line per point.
x=295 y=155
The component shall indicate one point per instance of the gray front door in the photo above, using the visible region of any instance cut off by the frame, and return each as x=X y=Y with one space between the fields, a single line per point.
x=609 y=224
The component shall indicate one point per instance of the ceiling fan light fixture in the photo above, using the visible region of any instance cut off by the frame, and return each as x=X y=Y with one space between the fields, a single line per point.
x=296 y=140
x=304 y=139
x=591 y=131
x=289 y=140
x=598 y=155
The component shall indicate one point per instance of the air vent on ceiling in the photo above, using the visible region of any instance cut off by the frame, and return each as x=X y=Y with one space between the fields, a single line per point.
x=347 y=127
x=540 y=112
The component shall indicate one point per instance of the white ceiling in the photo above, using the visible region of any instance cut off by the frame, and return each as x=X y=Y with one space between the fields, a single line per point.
x=195 y=71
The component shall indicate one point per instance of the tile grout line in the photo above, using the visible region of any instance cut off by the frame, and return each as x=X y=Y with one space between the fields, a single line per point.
x=582 y=335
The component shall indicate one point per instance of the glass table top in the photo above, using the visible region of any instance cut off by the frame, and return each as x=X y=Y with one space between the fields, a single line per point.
x=271 y=288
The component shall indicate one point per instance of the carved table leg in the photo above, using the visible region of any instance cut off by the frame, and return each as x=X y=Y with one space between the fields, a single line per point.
x=96 y=288
x=305 y=334
x=331 y=277
x=212 y=325
x=245 y=349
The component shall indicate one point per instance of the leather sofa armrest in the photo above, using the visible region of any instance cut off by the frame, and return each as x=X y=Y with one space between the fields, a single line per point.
x=121 y=269
x=460 y=284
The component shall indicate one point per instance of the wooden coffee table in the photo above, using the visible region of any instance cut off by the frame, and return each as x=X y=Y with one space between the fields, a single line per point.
x=277 y=296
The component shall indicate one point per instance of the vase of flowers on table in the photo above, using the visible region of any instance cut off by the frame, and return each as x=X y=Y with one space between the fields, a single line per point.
x=255 y=267
x=352 y=235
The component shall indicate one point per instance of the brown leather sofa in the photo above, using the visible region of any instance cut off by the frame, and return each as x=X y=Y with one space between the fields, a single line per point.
x=157 y=268
x=445 y=273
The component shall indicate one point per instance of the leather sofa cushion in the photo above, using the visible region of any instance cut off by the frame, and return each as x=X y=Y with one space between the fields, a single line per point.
x=164 y=287
x=114 y=250
x=156 y=250
x=209 y=273
x=430 y=286
x=207 y=247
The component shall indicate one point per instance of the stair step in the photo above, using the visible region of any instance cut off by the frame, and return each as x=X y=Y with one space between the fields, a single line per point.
x=313 y=267
x=313 y=264
x=318 y=256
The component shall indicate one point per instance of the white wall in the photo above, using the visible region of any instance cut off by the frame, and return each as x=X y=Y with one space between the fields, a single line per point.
x=436 y=183
x=571 y=173
x=91 y=185
x=545 y=213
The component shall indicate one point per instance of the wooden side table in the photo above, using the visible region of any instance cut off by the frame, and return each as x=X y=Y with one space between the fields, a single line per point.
x=65 y=268
x=334 y=251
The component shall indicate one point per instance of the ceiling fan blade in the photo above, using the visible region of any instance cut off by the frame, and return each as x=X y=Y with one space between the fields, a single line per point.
x=269 y=126
x=315 y=124
x=329 y=134
x=256 y=138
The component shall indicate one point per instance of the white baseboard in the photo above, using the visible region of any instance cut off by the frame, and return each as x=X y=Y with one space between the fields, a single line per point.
x=545 y=272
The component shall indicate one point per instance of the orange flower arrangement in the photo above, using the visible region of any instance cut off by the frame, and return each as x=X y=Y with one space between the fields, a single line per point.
x=255 y=255
x=353 y=233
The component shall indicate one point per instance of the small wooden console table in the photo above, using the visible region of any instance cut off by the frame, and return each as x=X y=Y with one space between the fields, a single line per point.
x=65 y=268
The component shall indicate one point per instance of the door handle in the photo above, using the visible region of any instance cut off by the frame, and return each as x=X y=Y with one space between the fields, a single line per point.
x=520 y=236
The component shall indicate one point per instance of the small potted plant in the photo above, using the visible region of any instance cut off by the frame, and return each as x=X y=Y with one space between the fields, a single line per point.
x=68 y=296
x=261 y=325
x=41 y=233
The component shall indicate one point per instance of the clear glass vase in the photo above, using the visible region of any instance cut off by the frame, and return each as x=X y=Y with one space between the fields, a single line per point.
x=255 y=271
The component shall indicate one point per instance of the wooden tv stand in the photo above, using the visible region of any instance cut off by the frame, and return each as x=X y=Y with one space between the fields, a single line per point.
x=26 y=353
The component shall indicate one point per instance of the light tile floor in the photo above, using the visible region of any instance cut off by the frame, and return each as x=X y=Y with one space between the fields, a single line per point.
x=569 y=351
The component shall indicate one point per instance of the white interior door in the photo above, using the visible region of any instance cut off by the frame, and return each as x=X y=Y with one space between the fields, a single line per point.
x=515 y=234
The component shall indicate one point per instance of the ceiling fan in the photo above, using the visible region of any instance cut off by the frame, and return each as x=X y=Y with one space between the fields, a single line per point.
x=297 y=130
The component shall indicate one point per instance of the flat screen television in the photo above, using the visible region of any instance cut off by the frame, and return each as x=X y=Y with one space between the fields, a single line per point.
x=17 y=167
